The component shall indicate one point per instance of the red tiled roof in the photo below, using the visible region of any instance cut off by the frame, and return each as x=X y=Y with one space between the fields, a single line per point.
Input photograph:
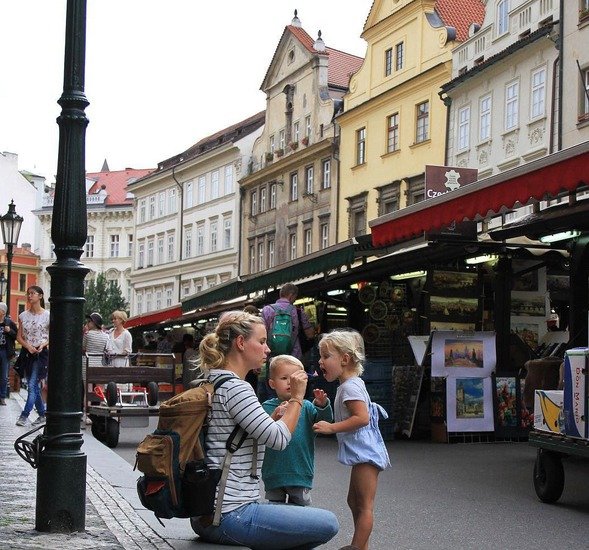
x=460 y=14
x=115 y=183
x=341 y=64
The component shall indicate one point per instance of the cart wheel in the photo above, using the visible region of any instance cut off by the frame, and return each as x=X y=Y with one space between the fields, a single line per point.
x=98 y=427
x=111 y=394
x=548 y=476
x=112 y=433
x=152 y=394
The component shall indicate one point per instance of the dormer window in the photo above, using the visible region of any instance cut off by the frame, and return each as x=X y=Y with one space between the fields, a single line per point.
x=502 y=17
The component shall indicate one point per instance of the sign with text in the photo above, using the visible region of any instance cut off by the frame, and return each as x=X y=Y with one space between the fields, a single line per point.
x=439 y=180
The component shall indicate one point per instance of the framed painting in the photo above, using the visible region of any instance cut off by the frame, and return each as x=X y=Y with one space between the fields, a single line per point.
x=455 y=283
x=443 y=308
x=469 y=404
x=463 y=353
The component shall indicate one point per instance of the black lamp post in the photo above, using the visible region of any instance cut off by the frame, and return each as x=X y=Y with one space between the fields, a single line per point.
x=2 y=285
x=11 y=224
x=61 y=464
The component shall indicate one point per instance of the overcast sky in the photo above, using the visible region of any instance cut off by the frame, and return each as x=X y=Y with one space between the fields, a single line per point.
x=160 y=75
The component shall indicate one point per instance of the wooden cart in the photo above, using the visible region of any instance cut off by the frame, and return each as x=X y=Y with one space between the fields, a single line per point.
x=120 y=407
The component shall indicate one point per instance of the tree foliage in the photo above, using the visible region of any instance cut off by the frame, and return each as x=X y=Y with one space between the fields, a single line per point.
x=104 y=297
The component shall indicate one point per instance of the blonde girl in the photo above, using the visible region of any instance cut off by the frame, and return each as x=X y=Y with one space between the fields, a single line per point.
x=356 y=425
x=236 y=346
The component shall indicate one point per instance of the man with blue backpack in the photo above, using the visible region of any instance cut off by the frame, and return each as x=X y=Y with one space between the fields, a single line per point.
x=283 y=321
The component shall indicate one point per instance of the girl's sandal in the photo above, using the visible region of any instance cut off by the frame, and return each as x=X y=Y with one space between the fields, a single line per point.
x=349 y=547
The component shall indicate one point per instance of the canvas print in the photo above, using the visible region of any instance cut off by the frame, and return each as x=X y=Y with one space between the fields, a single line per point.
x=527 y=282
x=458 y=308
x=449 y=325
x=469 y=404
x=506 y=396
x=463 y=353
x=558 y=283
x=528 y=332
x=466 y=283
x=469 y=398
x=533 y=306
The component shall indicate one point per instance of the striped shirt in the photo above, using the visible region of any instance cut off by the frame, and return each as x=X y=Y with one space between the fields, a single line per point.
x=236 y=403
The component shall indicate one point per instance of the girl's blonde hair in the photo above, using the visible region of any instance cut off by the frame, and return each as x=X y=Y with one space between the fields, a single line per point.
x=216 y=345
x=275 y=362
x=346 y=341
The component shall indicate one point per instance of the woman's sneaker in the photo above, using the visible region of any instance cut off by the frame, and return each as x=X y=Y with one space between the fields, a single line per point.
x=39 y=420
x=22 y=421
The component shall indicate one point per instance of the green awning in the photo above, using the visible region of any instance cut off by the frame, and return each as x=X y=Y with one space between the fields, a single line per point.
x=220 y=293
x=332 y=258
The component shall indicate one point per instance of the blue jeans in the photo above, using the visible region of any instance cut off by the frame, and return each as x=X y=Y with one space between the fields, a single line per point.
x=34 y=393
x=4 y=364
x=271 y=527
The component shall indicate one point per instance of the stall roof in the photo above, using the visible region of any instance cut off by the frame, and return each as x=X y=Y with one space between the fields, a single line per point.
x=551 y=175
x=154 y=318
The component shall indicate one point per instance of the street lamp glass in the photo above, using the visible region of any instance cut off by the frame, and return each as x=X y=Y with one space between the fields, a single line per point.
x=11 y=224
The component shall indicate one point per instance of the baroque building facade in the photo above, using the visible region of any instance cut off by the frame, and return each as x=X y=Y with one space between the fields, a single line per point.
x=393 y=122
x=187 y=219
x=288 y=198
x=109 y=244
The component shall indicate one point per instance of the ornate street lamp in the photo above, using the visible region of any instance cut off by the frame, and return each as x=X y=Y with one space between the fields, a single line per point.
x=2 y=284
x=61 y=468
x=11 y=224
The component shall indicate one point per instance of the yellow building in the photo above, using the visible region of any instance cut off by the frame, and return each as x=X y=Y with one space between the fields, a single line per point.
x=394 y=122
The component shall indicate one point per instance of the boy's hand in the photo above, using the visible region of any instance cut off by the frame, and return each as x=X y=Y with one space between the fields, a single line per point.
x=320 y=398
x=323 y=427
x=279 y=411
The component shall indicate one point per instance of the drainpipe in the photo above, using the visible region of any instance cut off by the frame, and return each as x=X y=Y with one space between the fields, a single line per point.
x=448 y=103
x=560 y=47
x=180 y=234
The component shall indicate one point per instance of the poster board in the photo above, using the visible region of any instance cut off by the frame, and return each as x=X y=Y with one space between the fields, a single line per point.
x=470 y=404
x=406 y=387
x=466 y=354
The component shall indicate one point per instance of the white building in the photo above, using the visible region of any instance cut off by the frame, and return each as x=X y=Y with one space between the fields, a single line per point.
x=26 y=189
x=109 y=245
x=503 y=101
x=187 y=222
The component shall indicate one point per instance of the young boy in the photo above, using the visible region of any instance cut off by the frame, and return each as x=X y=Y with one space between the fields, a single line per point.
x=288 y=474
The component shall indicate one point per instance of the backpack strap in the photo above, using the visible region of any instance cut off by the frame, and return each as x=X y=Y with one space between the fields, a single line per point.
x=233 y=443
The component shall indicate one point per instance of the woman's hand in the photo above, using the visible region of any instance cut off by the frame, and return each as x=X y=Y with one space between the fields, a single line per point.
x=322 y=427
x=298 y=384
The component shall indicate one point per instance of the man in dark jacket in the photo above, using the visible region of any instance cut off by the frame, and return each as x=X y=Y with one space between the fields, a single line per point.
x=7 y=339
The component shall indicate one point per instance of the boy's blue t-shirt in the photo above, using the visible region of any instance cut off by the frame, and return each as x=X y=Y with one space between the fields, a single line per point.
x=295 y=465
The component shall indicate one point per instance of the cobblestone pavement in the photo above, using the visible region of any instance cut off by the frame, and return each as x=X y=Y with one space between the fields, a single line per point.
x=111 y=523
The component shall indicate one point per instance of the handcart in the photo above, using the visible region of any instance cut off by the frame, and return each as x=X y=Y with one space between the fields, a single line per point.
x=548 y=468
x=131 y=394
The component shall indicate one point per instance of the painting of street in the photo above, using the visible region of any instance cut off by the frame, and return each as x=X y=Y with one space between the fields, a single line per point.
x=444 y=306
x=461 y=353
x=455 y=280
x=469 y=398
x=534 y=306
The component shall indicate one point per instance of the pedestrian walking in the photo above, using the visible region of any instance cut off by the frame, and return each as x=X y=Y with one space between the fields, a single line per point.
x=33 y=336
x=237 y=345
x=7 y=337
x=360 y=442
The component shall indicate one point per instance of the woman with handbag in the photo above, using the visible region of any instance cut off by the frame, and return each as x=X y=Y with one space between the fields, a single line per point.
x=33 y=336
x=7 y=337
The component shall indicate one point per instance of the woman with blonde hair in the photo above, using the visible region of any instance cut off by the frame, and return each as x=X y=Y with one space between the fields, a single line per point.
x=121 y=342
x=236 y=346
